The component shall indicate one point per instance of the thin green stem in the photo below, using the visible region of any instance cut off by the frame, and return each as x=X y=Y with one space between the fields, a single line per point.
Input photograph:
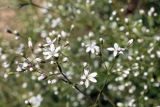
x=105 y=81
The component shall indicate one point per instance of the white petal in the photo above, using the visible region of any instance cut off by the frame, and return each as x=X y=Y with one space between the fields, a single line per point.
x=45 y=45
x=122 y=49
x=92 y=80
x=97 y=49
x=121 y=52
x=115 y=53
x=116 y=46
x=52 y=47
x=86 y=71
x=48 y=57
x=56 y=55
x=110 y=49
x=57 y=49
x=38 y=59
x=93 y=74
x=83 y=77
x=88 y=50
x=29 y=43
x=81 y=83
x=46 y=53
x=48 y=40
x=130 y=41
x=86 y=83
x=92 y=51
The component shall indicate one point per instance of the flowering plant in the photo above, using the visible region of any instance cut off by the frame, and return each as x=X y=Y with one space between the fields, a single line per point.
x=81 y=54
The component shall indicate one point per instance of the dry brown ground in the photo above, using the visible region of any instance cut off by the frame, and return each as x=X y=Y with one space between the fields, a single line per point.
x=7 y=17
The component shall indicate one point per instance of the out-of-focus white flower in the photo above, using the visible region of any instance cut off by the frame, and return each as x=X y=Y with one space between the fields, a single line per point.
x=52 y=81
x=5 y=64
x=157 y=37
x=41 y=77
x=84 y=64
x=38 y=59
x=29 y=43
x=22 y=66
x=151 y=11
x=116 y=50
x=101 y=40
x=72 y=26
x=63 y=34
x=86 y=78
x=158 y=54
x=65 y=59
x=52 y=51
x=130 y=42
x=92 y=47
x=49 y=41
x=55 y=22
x=35 y=101
x=5 y=75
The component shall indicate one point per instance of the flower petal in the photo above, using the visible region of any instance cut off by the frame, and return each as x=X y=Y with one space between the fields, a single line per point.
x=48 y=57
x=86 y=71
x=110 y=49
x=92 y=80
x=88 y=50
x=93 y=74
x=116 y=46
x=52 y=47
x=48 y=40
x=86 y=83
x=46 y=53
x=57 y=49
x=83 y=77
x=115 y=53
x=130 y=41
x=121 y=52
x=56 y=55
x=92 y=50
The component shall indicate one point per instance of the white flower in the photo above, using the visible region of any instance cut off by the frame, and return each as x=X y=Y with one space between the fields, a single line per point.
x=29 y=43
x=116 y=50
x=86 y=78
x=130 y=42
x=52 y=51
x=38 y=60
x=55 y=22
x=41 y=77
x=22 y=66
x=35 y=101
x=49 y=41
x=92 y=47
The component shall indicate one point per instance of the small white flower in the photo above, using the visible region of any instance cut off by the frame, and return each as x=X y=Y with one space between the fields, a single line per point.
x=38 y=59
x=22 y=66
x=52 y=51
x=130 y=42
x=63 y=34
x=19 y=68
x=41 y=77
x=65 y=59
x=116 y=50
x=92 y=47
x=86 y=78
x=35 y=101
x=49 y=41
x=29 y=43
